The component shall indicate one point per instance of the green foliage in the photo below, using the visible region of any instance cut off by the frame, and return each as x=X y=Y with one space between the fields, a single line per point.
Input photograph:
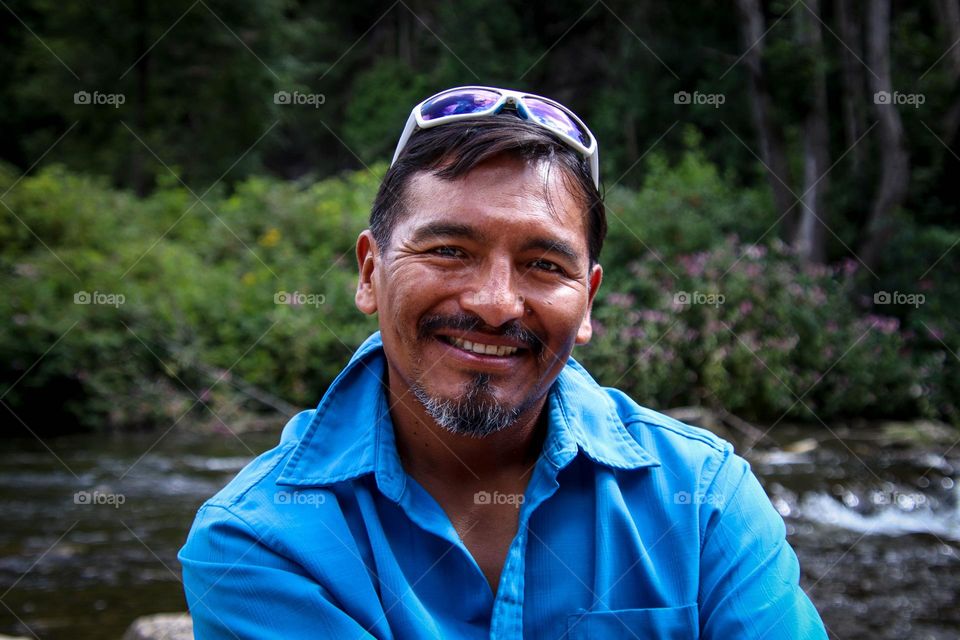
x=680 y=209
x=748 y=328
x=788 y=340
x=198 y=283
x=200 y=279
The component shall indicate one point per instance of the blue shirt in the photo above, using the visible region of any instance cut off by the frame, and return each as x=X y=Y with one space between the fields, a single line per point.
x=633 y=525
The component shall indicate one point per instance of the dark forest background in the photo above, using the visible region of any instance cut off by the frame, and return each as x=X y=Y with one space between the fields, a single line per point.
x=782 y=181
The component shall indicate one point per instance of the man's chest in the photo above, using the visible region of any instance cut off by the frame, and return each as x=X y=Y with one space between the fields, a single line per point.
x=487 y=533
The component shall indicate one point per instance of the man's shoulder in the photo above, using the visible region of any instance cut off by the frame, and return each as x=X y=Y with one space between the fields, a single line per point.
x=678 y=446
x=649 y=424
x=655 y=431
x=257 y=480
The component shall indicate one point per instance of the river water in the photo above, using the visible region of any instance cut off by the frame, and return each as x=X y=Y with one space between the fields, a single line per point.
x=92 y=526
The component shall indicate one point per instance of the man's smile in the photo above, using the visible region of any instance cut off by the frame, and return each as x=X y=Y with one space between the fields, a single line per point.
x=480 y=347
x=489 y=353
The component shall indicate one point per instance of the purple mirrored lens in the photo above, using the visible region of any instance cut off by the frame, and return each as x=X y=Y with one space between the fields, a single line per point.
x=458 y=102
x=554 y=118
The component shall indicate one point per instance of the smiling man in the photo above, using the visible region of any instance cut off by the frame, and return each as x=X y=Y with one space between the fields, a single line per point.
x=464 y=477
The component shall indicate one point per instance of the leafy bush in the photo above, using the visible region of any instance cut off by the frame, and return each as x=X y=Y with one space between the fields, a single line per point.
x=186 y=290
x=748 y=328
x=680 y=209
x=198 y=323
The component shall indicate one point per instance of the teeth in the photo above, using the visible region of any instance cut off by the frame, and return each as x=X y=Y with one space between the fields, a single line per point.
x=485 y=349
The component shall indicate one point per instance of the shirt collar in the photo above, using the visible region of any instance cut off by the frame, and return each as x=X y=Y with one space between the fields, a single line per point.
x=351 y=433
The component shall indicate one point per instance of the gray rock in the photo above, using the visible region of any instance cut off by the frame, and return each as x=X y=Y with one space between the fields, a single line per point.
x=161 y=626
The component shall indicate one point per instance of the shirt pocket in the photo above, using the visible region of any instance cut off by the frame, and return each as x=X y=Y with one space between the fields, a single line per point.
x=667 y=622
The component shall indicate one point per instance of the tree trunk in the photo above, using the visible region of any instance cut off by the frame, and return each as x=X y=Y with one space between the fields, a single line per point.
x=768 y=133
x=810 y=234
x=852 y=85
x=405 y=37
x=948 y=11
x=138 y=177
x=894 y=162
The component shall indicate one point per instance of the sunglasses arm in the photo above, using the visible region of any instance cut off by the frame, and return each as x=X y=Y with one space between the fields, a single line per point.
x=408 y=130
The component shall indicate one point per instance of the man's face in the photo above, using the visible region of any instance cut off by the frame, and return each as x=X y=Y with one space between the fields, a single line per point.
x=481 y=264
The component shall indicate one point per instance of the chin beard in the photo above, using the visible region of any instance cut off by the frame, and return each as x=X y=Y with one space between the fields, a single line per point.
x=476 y=413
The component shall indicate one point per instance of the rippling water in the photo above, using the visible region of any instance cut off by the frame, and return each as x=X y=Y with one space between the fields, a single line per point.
x=92 y=527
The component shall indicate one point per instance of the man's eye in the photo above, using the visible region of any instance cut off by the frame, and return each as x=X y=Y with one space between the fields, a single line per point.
x=448 y=252
x=546 y=265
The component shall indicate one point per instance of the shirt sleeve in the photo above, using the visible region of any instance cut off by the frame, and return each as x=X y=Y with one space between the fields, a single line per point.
x=750 y=576
x=237 y=588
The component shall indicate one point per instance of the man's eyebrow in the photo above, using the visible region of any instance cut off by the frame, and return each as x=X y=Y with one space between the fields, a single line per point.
x=434 y=230
x=548 y=245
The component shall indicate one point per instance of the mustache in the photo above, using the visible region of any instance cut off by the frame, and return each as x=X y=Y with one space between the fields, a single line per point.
x=466 y=322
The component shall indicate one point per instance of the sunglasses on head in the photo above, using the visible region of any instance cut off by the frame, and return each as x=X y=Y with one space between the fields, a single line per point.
x=470 y=102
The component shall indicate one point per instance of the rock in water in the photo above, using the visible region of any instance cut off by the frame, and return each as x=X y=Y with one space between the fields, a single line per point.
x=161 y=626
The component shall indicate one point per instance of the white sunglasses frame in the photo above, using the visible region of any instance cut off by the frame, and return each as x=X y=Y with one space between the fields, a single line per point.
x=507 y=96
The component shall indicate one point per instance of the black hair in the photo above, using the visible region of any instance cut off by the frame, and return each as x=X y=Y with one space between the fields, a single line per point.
x=452 y=150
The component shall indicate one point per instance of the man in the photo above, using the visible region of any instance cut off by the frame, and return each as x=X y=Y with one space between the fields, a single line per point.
x=464 y=477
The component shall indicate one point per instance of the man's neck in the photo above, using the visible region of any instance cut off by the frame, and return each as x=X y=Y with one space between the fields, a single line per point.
x=430 y=452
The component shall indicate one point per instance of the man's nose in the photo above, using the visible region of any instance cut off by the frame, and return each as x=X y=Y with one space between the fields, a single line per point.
x=495 y=297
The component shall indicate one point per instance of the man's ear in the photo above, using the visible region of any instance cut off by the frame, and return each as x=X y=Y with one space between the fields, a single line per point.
x=585 y=332
x=368 y=257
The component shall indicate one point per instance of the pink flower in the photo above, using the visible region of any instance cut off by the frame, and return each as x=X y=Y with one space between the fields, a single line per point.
x=694 y=264
x=884 y=324
x=598 y=327
x=654 y=316
x=623 y=300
